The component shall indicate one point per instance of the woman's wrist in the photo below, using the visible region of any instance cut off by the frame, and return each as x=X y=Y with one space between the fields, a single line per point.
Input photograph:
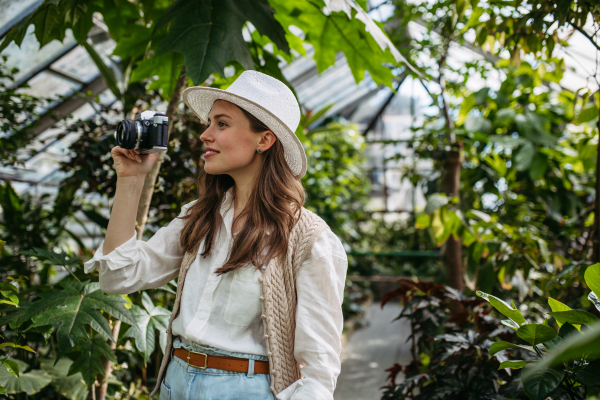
x=133 y=182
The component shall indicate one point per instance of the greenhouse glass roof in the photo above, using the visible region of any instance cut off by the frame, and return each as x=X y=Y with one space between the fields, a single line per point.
x=65 y=69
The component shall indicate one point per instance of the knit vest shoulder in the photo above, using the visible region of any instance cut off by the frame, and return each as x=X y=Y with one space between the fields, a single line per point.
x=278 y=303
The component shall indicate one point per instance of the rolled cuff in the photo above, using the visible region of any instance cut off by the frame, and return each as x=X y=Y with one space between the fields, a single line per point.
x=305 y=389
x=288 y=392
x=124 y=255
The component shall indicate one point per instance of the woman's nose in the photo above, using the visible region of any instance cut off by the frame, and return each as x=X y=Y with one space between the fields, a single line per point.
x=206 y=135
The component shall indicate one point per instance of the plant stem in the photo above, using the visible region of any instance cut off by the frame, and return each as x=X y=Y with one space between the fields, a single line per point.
x=72 y=274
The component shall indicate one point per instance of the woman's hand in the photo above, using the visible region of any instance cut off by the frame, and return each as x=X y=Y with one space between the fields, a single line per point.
x=130 y=164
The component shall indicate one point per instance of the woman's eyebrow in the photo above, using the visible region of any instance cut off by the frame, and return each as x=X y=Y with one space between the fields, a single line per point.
x=220 y=116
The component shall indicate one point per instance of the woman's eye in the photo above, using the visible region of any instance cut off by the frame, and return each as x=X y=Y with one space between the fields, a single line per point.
x=223 y=124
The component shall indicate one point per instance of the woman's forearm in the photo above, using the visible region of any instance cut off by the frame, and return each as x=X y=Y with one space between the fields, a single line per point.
x=124 y=210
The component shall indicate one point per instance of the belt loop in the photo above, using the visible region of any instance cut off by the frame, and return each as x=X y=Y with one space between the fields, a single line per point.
x=250 y=368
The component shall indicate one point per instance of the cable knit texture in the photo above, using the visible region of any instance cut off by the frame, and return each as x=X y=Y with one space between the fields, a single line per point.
x=278 y=303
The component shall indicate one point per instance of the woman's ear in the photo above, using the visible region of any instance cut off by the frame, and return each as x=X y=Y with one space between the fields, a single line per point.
x=267 y=140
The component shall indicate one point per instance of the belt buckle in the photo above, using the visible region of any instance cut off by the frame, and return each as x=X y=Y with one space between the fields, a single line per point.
x=202 y=354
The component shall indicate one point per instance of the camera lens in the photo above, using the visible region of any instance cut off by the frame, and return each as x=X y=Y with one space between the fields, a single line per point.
x=127 y=134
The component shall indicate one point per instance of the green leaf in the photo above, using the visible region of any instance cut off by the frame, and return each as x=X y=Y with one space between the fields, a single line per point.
x=505 y=116
x=536 y=333
x=594 y=299
x=592 y=278
x=539 y=165
x=96 y=217
x=116 y=14
x=16 y=33
x=514 y=364
x=539 y=383
x=587 y=115
x=50 y=257
x=363 y=45
x=74 y=307
x=149 y=320
x=556 y=305
x=72 y=387
x=510 y=323
x=574 y=347
x=89 y=362
x=567 y=329
x=29 y=382
x=16 y=346
x=589 y=374
x=134 y=41
x=503 y=308
x=523 y=157
x=107 y=73
x=574 y=317
x=12 y=367
x=209 y=33
x=500 y=345
x=435 y=202
x=478 y=124
x=166 y=68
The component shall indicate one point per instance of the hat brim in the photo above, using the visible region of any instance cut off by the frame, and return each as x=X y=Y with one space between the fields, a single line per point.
x=200 y=100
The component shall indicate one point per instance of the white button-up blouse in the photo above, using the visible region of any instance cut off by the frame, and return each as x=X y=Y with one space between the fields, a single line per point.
x=224 y=311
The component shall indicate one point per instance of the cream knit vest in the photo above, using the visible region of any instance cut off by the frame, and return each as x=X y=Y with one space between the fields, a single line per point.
x=278 y=303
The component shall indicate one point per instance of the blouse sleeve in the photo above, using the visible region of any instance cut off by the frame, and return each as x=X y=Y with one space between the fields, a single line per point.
x=137 y=265
x=319 y=322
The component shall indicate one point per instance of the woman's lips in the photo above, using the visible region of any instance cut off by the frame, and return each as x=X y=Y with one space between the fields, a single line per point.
x=210 y=153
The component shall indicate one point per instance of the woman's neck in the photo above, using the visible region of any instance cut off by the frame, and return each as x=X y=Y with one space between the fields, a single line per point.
x=241 y=196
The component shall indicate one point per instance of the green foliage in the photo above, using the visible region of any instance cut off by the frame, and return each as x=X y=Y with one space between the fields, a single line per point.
x=201 y=38
x=72 y=387
x=343 y=34
x=527 y=147
x=198 y=30
x=337 y=188
x=149 y=319
x=30 y=382
x=567 y=357
x=17 y=112
x=89 y=362
x=450 y=358
x=74 y=307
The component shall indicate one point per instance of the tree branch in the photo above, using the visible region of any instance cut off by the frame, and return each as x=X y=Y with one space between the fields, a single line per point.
x=584 y=33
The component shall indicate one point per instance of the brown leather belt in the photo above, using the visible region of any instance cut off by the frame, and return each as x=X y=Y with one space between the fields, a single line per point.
x=203 y=361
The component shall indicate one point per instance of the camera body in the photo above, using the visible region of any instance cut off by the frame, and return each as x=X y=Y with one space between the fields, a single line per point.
x=147 y=133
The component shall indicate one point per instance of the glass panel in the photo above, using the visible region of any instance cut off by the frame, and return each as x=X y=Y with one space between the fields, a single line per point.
x=29 y=57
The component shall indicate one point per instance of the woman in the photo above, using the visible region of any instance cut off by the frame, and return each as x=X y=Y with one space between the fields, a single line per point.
x=258 y=308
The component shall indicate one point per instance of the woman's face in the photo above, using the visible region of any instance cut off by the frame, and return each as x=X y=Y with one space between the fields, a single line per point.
x=230 y=135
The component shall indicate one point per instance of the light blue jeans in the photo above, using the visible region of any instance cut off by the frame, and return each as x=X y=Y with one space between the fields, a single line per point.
x=185 y=382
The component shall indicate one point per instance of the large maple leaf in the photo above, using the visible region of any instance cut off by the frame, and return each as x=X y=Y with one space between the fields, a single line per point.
x=150 y=320
x=89 y=363
x=75 y=307
x=347 y=28
x=209 y=33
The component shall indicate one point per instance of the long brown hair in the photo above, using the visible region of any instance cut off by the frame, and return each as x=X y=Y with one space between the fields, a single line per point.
x=275 y=200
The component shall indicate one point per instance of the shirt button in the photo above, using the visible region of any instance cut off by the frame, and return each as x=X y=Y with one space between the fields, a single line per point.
x=260 y=278
x=261 y=298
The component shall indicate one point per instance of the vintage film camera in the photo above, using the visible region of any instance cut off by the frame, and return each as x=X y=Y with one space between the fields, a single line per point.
x=147 y=133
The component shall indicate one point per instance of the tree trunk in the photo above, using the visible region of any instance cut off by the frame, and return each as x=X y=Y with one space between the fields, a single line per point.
x=150 y=180
x=107 y=364
x=453 y=254
x=451 y=182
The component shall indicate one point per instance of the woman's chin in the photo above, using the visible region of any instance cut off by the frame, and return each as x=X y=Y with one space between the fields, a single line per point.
x=212 y=170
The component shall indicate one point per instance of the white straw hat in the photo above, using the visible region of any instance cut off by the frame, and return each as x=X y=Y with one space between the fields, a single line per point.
x=265 y=97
